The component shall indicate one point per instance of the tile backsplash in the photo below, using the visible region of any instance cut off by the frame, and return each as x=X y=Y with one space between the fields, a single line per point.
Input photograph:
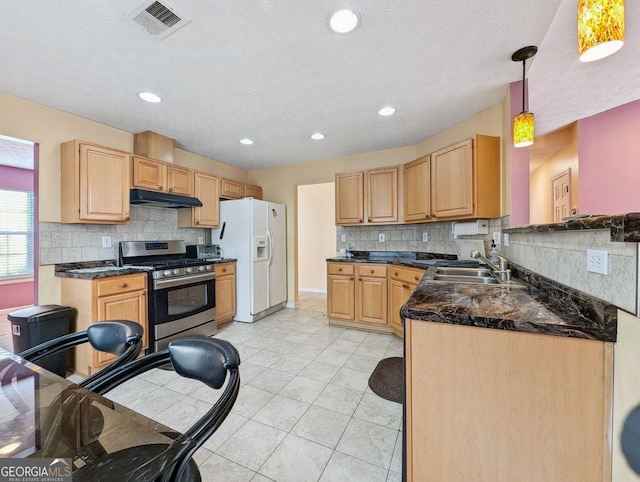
x=68 y=243
x=408 y=237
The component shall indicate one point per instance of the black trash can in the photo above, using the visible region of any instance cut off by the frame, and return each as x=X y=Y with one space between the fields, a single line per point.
x=35 y=325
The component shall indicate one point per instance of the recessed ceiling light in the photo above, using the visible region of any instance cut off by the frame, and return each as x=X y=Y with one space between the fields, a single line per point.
x=317 y=136
x=149 y=97
x=343 y=21
x=246 y=142
x=385 y=111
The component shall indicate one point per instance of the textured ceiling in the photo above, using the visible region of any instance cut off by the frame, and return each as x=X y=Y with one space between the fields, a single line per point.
x=272 y=70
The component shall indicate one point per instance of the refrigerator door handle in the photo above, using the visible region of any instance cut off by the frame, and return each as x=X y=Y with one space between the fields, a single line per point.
x=270 y=247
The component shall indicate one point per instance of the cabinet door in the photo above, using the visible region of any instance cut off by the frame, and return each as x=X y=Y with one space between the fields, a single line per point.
x=104 y=184
x=417 y=189
x=371 y=300
x=452 y=180
x=399 y=293
x=252 y=191
x=231 y=189
x=340 y=297
x=206 y=188
x=382 y=195
x=148 y=174
x=225 y=298
x=124 y=306
x=350 y=198
x=180 y=180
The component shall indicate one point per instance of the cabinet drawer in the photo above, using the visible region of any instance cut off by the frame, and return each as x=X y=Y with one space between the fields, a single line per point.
x=372 y=271
x=408 y=275
x=225 y=269
x=121 y=284
x=340 y=269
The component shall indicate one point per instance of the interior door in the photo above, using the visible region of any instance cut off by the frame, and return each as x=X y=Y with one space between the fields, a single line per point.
x=561 y=191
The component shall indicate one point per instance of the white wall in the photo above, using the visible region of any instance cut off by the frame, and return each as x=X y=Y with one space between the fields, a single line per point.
x=316 y=234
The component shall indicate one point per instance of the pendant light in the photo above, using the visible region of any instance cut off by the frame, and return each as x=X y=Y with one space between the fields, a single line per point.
x=600 y=28
x=523 y=123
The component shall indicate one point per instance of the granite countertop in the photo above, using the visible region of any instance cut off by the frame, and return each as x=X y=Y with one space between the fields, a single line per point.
x=624 y=227
x=541 y=306
x=107 y=268
x=401 y=258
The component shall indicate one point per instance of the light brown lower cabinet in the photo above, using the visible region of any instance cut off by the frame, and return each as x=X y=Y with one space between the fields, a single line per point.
x=485 y=404
x=225 y=293
x=402 y=282
x=357 y=295
x=112 y=298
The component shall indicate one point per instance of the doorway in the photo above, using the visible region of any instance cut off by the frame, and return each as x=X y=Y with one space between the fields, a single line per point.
x=316 y=235
x=561 y=192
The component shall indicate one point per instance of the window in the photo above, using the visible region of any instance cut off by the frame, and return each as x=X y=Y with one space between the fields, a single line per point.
x=16 y=233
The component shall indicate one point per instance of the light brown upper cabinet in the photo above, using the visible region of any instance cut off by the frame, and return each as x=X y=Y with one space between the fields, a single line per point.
x=207 y=190
x=94 y=184
x=466 y=184
x=417 y=190
x=382 y=195
x=350 y=198
x=153 y=145
x=376 y=190
x=252 y=191
x=231 y=189
x=155 y=175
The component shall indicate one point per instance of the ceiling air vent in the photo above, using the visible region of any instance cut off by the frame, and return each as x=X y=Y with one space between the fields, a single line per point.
x=159 y=19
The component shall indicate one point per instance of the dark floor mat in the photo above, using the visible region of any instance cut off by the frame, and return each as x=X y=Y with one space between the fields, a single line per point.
x=386 y=380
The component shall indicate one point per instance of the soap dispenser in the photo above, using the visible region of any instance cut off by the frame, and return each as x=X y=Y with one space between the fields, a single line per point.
x=493 y=254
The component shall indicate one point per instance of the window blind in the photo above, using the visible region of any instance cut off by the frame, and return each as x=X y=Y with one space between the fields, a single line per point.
x=16 y=233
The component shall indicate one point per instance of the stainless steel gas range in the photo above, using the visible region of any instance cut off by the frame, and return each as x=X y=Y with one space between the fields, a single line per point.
x=182 y=300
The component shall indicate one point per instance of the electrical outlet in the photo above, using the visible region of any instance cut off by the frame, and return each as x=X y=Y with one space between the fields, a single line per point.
x=200 y=239
x=425 y=237
x=496 y=238
x=343 y=238
x=381 y=238
x=505 y=239
x=106 y=241
x=597 y=261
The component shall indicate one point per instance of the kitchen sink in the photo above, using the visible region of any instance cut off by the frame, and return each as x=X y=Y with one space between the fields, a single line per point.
x=486 y=280
x=481 y=272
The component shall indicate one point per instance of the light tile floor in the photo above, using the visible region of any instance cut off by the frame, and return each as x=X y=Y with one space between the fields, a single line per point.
x=304 y=412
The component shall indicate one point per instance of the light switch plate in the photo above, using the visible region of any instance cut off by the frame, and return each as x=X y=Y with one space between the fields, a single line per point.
x=200 y=239
x=597 y=261
x=496 y=238
x=505 y=239
x=425 y=237
x=106 y=241
x=343 y=238
x=381 y=238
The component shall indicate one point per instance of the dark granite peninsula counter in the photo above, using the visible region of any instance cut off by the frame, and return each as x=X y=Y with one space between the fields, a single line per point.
x=401 y=258
x=540 y=306
x=624 y=227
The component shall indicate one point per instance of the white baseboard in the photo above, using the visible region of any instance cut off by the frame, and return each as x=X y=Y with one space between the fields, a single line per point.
x=290 y=305
x=313 y=290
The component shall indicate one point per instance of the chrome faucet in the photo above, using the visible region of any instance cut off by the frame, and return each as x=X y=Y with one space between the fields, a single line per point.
x=501 y=270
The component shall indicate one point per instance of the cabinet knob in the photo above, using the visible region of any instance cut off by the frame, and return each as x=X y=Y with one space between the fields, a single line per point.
x=350 y=279
x=339 y=269
x=170 y=189
x=126 y=218
x=359 y=220
x=359 y=279
x=405 y=286
x=160 y=188
x=371 y=271
x=124 y=285
x=427 y=216
x=395 y=274
x=417 y=278
x=224 y=270
x=197 y=222
x=434 y=215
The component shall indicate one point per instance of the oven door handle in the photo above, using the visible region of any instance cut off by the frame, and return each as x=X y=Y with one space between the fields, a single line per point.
x=187 y=280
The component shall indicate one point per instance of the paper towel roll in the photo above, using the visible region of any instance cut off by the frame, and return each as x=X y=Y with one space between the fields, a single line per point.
x=481 y=226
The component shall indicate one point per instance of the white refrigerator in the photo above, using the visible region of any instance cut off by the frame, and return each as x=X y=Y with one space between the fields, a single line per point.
x=254 y=232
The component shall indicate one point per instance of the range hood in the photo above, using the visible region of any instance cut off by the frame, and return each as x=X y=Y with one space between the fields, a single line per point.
x=162 y=199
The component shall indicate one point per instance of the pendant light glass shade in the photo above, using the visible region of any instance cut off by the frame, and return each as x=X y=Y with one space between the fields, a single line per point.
x=600 y=28
x=523 y=129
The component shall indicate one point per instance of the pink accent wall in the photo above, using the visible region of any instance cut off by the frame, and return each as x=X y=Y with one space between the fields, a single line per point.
x=609 y=160
x=519 y=164
x=18 y=294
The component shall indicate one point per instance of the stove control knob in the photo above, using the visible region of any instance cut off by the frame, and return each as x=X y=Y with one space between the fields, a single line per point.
x=201 y=268
x=166 y=272
x=208 y=267
x=176 y=271
x=188 y=270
